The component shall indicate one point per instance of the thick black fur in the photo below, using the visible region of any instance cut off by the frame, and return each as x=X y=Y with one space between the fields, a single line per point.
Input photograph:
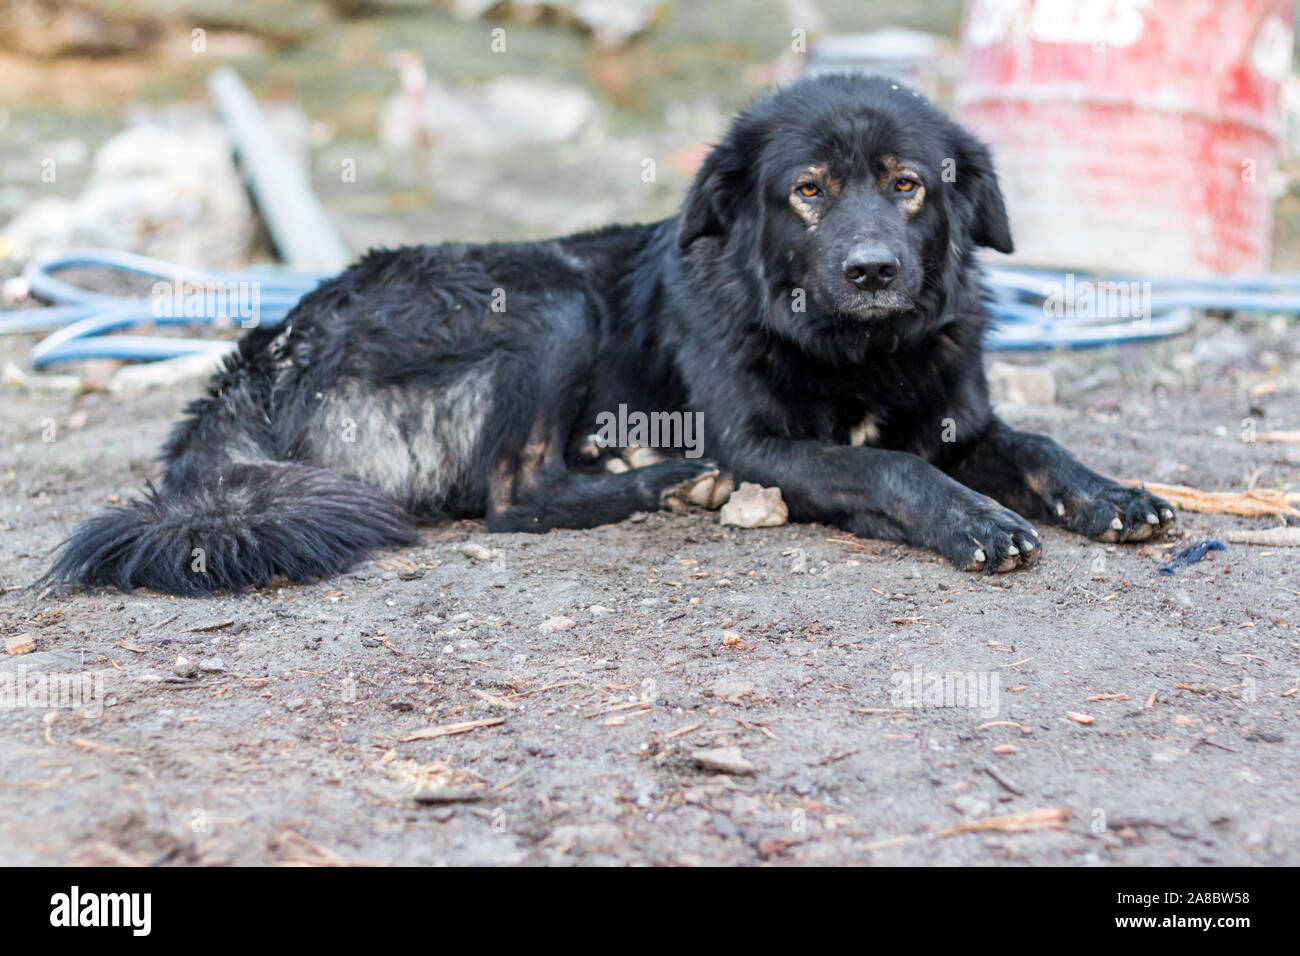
x=817 y=299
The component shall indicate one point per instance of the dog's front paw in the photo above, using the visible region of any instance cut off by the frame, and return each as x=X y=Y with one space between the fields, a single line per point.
x=990 y=538
x=1115 y=512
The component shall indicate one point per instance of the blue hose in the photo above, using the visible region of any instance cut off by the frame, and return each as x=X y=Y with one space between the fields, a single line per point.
x=79 y=319
x=1151 y=307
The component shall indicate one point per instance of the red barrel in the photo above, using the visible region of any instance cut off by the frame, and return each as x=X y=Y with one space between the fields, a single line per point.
x=1132 y=135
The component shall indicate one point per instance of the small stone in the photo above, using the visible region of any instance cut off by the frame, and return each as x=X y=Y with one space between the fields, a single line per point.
x=972 y=806
x=730 y=690
x=1021 y=384
x=213 y=665
x=723 y=760
x=468 y=650
x=295 y=703
x=20 y=644
x=753 y=506
x=599 y=610
x=476 y=551
x=558 y=623
x=184 y=667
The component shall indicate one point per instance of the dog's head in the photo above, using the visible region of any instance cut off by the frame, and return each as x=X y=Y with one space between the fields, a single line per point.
x=856 y=199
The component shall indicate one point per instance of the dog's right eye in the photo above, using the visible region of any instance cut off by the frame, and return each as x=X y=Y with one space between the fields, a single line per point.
x=808 y=189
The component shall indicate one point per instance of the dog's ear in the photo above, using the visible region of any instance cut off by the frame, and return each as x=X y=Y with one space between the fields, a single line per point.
x=977 y=184
x=715 y=195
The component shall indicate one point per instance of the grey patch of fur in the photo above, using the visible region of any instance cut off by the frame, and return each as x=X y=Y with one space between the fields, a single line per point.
x=416 y=445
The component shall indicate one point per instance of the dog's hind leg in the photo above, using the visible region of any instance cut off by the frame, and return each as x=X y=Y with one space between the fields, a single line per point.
x=580 y=500
x=532 y=489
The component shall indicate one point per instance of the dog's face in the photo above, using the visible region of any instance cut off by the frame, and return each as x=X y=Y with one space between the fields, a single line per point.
x=860 y=233
x=852 y=196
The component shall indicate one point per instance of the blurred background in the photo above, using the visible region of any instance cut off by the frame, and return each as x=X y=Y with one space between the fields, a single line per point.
x=1123 y=125
x=415 y=120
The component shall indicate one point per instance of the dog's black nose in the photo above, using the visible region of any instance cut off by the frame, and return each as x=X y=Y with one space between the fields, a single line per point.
x=870 y=268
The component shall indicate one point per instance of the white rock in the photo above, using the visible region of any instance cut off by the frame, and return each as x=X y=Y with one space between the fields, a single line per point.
x=1021 y=384
x=753 y=506
x=972 y=806
x=723 y=760
x=553 y=624
x=730 y=690
x=476 y=551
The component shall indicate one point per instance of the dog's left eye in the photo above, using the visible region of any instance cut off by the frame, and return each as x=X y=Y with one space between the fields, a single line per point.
x=905 y=185
x=808 y=189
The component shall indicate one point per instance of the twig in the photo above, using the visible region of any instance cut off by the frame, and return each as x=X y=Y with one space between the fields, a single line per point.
x=1003 y=779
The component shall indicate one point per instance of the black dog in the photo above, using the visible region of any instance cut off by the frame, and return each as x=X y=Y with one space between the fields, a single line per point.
x=817 y=302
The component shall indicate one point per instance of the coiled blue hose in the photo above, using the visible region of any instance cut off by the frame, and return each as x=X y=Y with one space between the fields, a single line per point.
x=1164 y=306
x=79 y=319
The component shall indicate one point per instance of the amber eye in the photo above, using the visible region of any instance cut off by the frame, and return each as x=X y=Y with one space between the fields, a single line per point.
x=808 y=189
x=906 y=185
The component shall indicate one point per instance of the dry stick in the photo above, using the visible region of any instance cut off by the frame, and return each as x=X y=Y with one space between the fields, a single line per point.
x=1249 y=504
x=211 y=626
x=448 y=729
x=1054 y=817
x=681 y=730
x=505 y=785
x=630 y=705
x=1268 y=537
x=1003 y=779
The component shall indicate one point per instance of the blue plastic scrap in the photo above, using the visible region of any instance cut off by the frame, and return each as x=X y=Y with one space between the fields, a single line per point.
x=1191 y=554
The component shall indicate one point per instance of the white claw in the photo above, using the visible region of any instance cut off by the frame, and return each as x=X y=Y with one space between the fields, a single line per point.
x=1060 y=508
x=1166 y=514
x=1152 y=519
x=980 y=556
x=1013 y=550
x=1117 y=525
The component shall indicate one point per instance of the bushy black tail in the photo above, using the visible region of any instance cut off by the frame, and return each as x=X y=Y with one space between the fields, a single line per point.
x=253 y=522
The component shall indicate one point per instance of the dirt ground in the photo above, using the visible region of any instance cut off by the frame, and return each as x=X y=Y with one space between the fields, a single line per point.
x=300 y=739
